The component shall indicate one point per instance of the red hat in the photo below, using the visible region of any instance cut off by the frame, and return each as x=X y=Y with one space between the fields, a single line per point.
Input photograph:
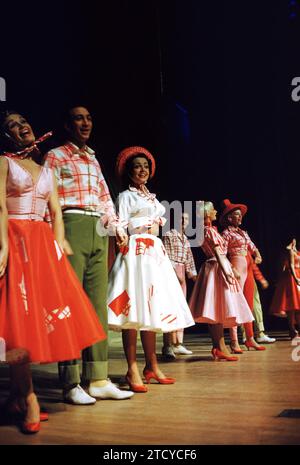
x=228 y=207
x=130 y=152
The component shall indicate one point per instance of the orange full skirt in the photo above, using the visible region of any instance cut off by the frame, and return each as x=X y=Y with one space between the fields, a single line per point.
x=43 y=307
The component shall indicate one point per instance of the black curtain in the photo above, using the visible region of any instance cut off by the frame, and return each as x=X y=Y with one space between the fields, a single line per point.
x=204 y=85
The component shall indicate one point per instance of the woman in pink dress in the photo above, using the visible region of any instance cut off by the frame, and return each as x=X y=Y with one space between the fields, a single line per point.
x=286 y=300
x=217 y=298
x=238 y=245
x=43 y=307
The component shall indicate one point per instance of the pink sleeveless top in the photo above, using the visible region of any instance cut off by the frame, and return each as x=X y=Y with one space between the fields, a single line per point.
x=26 y=199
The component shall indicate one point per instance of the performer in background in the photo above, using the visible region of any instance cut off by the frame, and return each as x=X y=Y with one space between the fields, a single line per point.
x=259 y=328
x=286 y=299
x=238 y=243
x=217 y=298
x=179 y=251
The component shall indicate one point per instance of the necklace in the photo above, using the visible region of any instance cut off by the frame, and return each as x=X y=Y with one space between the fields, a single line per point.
x=143 y=192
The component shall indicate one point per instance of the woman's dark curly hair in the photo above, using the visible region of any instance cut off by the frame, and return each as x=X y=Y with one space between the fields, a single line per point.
x=126 y=178
x=5 y=142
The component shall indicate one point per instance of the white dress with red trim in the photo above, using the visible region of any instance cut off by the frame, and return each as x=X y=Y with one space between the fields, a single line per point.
x=143 y=291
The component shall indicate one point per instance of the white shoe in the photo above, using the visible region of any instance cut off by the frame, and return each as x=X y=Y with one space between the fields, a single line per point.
x=265 y=339
x=78 y=396
x=109 y=391
x=181 y=350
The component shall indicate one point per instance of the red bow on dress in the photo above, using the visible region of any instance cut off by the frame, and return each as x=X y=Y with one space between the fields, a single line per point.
x=23 y=153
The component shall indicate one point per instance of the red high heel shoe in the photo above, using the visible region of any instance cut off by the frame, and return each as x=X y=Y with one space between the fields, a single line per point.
x=136 y=387
x=44 y=416
x=33 y=427
x=249 y=345
x=30 y=428
x=149 y=374
x=234 y=350
x=219 y=355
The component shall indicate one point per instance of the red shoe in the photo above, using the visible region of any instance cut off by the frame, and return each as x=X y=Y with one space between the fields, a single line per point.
x=44 y=416
x=136 y=387
x=219 y=355
x=30 y=428
x=234 y=350
x=249 y=345
x=148 y=374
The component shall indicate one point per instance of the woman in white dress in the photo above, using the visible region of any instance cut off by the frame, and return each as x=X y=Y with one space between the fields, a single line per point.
x=144 y=293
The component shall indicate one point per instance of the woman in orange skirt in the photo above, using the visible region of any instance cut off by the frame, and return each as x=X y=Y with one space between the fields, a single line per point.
x=43 y=307
x=286 y=300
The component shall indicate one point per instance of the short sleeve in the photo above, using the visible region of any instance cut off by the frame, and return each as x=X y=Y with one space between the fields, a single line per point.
x=226 y=237
x=51 y=161
x=212 y=238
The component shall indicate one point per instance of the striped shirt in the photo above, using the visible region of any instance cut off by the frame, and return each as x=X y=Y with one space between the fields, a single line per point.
x=80 y=181
x=237 y=241
x=213 y=239
x=179 y=250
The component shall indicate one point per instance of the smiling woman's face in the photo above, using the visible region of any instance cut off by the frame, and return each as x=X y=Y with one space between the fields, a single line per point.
x=19 y=130
x=235 y=218
x=140 y=171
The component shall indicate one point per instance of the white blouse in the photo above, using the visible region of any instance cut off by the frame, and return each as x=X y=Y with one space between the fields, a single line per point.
x=139 y=211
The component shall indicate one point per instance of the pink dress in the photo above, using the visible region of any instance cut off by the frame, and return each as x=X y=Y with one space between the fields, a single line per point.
x=43 y=307
x=213 y=300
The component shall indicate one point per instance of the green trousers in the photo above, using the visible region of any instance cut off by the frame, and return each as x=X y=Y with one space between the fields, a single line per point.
x=89 y=260
x=257 y=313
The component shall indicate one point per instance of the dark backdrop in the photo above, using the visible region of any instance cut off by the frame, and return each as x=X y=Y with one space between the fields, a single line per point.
x=204 y=85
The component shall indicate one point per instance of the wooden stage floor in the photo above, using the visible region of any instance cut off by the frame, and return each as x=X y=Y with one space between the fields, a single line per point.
x=211 y=402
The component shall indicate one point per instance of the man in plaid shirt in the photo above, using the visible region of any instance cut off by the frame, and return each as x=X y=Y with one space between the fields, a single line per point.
x=87 y=211
x=180 y=254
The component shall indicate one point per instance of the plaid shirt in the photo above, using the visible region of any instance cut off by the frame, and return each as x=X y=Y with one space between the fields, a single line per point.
x=237 y=241
x=179 y=250
x=80 y=181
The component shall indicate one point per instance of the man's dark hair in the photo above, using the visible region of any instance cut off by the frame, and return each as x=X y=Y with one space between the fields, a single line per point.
x=66 y=113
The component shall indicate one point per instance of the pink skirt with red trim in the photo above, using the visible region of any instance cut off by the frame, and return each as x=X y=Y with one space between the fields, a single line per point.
x=214 y=301
x=43 y=307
